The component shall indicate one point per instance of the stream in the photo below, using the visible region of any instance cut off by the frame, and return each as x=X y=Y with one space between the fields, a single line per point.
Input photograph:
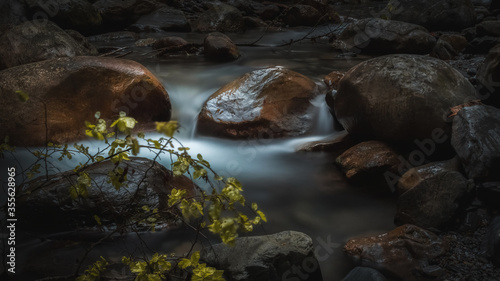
x=297 y=191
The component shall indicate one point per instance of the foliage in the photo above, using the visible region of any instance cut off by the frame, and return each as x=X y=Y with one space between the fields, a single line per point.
x=217 y=210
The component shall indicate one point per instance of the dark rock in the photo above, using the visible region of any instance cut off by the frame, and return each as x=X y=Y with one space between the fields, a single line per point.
x=253 y=22
x=170 y=42
x=220 y=17
x=444 y=51
x=488 y=77
x=484 y=3
x=267 y=258
x=148 y=183
x=33 y=41
x=374 y=35
x=12 y=12
x=332 y=80
x=400 y=97
x=114 y=36
x=481 y=45
x=146 y=42
x=220 y=47
x=360 y=273
x=490 y=247
x=82 y=40
x=70 y=14
x=488 y=28
x=433 y=195
x=338 y=143
x=417 y=175
x=476 y=139
x=266 y=103
x=432 y=14
x=66 y=92
x=268 y=12
x=489 y=192
x=121 y=13
x=403 y=252
x=165 y=18
x=301 y=15
x=368 y=161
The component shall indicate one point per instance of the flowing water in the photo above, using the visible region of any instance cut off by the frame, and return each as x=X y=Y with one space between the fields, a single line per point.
x=297 y=191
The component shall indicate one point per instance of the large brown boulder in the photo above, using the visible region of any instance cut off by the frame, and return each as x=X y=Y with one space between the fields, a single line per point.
x=404 y=252
x=36 y=41
x=265 y=103
x=379 y=36
x=433 y=14
x=399 y=97
x=47 y=202
x=66 y=92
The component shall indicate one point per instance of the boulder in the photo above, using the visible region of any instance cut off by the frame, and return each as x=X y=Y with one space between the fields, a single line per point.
x=219 y=47
x=331 y=81
x=266 y=103
x=434 y=193
x=82 y=40
x=360 y=273
x=220 y=17
x=368 y=161
x=70 y=14
x=433 y=14
x=165 y=18
x=476 y=139
x=47 y=203
x=33 y=41
x=403 y=252
x=301 y=15
x=399 y=97
x=488 y=76
x=379 y=36
x=170 y=42
x=489 y=192
x=488 y=28
x=490 y=247
x=266 y=258
x=66 y=92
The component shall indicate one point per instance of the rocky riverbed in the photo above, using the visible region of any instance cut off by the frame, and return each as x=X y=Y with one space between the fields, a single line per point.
x=412 y=88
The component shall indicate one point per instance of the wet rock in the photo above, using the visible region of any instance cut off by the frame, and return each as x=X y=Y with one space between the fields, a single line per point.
x=114 y=36
x=433 y=15
x=12 y=12
x=490 y=247
x=165 y=18
x=476 y=139
x=443 y=50
x=488 y=77
x=488 y=28
x=332 y=81
x=121 y=13
x=219 y=47
x=338 y=143
x=403 y=252
x=489 y=192
x=268 y=12
x=268 y=258
x=433 y=195
x=253 y=22
x=417 y=175
x=360 y=273
x=46 y=202
x=146 y=42
x=66 y=92
x=399 y=97
x=32 y=41
x=220 y=17
x=70 y=14
x=301 y=15
x=170 y=42
x=374 y=35
x=367 y=161
x=266 y=103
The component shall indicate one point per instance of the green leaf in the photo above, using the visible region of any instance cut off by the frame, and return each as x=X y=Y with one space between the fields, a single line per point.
x=167 y=128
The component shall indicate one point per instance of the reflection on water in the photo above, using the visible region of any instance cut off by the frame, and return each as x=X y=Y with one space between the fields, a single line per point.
x=297 y=191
